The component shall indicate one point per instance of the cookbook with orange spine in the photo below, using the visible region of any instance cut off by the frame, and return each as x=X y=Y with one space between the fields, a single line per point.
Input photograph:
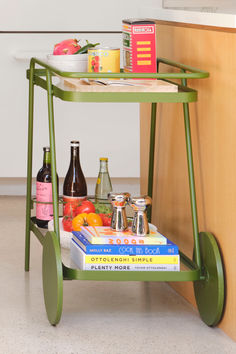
x=105 y=235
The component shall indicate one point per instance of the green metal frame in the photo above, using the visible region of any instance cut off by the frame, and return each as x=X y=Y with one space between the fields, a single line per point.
x=43 y=77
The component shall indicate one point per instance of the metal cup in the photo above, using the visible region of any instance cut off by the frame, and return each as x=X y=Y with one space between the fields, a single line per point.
x=119 y=218
x=140 y=222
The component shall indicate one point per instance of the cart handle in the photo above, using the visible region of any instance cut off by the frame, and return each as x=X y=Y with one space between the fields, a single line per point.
x=195 y=73
x=192 y=73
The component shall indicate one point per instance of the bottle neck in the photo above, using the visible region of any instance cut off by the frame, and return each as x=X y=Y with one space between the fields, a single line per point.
x=46 y=159
x=74 y=155
x=103 y=166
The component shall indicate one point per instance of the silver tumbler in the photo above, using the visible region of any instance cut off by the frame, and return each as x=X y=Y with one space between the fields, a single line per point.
x=140 y=222
x=119 y=218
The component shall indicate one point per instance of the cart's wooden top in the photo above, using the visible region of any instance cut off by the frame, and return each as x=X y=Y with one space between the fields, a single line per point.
x=118 y=85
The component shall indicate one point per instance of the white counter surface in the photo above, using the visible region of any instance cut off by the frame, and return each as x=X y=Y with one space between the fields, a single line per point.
x=225 y=20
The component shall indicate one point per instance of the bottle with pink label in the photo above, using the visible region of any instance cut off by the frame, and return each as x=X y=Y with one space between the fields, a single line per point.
x=44 y=207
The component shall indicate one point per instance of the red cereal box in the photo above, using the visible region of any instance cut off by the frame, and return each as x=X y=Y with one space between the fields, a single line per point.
x=139 y=46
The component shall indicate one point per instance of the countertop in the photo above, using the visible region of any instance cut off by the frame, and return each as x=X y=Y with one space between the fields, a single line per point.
x=197 y=17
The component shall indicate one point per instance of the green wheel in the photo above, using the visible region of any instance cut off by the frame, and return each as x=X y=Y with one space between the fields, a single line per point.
x=52 y=278
x=209 y=292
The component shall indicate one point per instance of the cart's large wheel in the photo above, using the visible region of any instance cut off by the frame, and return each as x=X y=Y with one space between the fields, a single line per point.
x=52 y=278
x=209 y=293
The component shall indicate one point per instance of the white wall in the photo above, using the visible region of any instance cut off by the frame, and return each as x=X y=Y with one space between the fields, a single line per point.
x=103 y=129
x=70 y=15
x=17 y=186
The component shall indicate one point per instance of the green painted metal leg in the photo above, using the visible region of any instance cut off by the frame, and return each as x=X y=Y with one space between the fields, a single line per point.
x=197 y=256
x=192 y=184
x=29 y=166
x=53 y=154
x=151 y=156
x=52 y=277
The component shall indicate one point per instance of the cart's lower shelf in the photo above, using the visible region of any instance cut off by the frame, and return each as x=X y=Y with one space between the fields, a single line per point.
x=188 y=269
x=189 y=273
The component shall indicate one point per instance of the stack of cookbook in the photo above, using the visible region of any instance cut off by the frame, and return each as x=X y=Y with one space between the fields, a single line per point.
x=99 y=248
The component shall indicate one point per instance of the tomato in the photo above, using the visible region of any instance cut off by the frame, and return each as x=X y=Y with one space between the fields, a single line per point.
x=67 y=223
x=94 y=219
x=84 y=219
x=69 y=209
x=85 y=207
x=106 y=219
x=96 y=68
x=78 y=221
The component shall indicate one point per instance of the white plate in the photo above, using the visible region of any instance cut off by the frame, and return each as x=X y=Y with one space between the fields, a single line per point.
x=65 y=236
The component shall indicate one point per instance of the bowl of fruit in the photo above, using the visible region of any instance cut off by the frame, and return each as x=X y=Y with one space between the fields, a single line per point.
x=70 y=55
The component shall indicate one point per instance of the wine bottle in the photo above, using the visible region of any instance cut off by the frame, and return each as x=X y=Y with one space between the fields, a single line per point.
x=103 y=185
x=74 y=187
x=44 y=211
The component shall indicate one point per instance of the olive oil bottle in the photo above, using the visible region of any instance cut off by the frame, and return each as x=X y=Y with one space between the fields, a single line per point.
x=103 y=185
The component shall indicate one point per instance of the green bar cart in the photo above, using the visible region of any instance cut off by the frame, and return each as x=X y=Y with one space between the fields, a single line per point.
x=205 y=269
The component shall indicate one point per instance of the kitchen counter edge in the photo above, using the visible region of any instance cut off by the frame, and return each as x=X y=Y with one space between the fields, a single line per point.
x=226 y=22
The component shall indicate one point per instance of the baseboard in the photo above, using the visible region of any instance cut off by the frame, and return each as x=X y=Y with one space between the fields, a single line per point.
x=17 y=186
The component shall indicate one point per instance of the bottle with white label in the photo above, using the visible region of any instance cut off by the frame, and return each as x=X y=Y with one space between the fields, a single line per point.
x=74 y=187
x=103 y=185
x=44 y=207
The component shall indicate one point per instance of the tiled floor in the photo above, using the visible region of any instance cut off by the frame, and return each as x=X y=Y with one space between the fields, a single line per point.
x=98 y=317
